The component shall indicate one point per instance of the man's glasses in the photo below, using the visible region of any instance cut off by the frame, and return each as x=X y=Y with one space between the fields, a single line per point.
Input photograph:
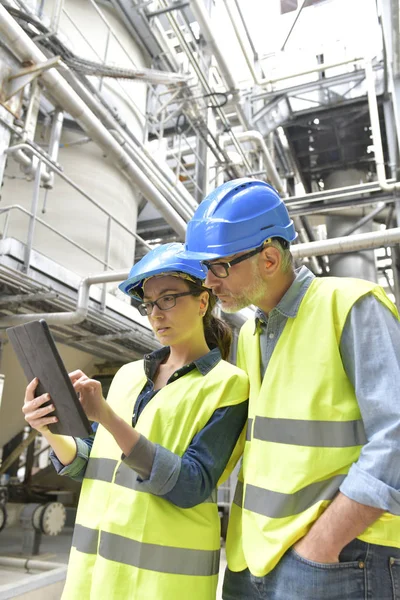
x=163 y=303
x=221 y=269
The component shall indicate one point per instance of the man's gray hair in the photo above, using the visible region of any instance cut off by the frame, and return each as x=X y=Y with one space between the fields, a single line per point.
x=286 y=256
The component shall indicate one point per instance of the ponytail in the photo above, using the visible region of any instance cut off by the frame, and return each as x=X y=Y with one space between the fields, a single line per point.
x=218 y=334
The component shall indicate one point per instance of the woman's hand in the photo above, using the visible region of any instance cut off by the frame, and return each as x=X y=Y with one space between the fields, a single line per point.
x=90 y=396
x=37 y=415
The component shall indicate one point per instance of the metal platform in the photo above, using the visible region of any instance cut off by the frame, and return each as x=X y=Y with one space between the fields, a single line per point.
x=116 y=333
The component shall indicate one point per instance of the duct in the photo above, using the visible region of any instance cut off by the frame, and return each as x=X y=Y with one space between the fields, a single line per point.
x=376 y=130
x=26 y=50
x=256 y=136
x=340 y=245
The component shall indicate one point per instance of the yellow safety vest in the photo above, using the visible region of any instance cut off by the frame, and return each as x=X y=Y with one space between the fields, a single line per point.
x=130 y=544
x=304 y=431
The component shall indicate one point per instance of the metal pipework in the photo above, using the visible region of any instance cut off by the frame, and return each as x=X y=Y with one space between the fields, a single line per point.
x=54 y=145
x=82 y=306
x=30 y=564
x=256 y=136
x=61 y=92
x=30 y=165
x=361 y=241
x=46 y=518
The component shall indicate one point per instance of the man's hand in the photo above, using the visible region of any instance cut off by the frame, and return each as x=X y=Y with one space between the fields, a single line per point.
x=316 y=552
x=340 y=524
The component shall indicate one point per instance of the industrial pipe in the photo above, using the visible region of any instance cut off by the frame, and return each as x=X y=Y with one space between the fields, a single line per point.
x=26 y=50
x=256 y=136
x=54 y=145
x=71 y=317
x=29 y=564
x=340 y=245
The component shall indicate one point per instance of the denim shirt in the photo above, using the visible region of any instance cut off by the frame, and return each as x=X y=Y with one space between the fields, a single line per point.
x=185 y=481
x=370 y=351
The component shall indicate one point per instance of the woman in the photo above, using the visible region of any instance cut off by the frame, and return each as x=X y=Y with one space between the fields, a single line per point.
x=147 y=525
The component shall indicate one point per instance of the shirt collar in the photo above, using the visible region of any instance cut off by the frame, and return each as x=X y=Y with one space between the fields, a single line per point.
x=204 y=364
x=290 y=302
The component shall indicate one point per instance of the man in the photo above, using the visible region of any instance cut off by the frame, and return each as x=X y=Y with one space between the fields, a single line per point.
x=315 y=514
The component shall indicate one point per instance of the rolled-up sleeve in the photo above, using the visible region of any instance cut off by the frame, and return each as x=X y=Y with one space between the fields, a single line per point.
x=189 y=480
x=370 y=349
x=75 y=470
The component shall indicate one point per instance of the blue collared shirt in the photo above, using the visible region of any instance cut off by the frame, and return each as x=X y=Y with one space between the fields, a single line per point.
x=370 y=351
x=188 y=480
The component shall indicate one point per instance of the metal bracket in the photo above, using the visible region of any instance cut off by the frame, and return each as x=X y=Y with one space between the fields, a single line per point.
x=19 y=79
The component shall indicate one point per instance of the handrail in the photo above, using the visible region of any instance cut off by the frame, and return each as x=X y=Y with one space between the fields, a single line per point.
x=42 y=156
x=9 y=208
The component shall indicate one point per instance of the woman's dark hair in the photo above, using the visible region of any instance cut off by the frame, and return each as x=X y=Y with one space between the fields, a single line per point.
x=218 y=334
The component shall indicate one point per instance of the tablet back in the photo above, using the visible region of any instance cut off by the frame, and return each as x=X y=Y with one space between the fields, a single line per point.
x=39 y=357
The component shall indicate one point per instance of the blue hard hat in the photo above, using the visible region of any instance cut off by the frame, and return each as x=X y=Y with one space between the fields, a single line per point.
x=237 y=216
x=167 y=258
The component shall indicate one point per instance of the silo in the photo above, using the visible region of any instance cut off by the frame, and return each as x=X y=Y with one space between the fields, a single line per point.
x=83 y=31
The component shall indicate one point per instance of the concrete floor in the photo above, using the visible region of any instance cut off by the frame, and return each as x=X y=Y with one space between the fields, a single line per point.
x=52 y=549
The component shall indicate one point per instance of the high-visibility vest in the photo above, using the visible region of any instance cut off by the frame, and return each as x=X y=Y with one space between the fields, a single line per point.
x=130 y=544
x=304 y=431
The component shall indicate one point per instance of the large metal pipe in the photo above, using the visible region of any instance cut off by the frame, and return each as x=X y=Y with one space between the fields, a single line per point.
x=361 y=241
x=55 y=137
x=29 y=564
x=26 y=50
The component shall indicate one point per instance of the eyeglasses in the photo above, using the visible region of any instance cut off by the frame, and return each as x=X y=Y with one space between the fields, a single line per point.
x=163 y=303
x=221 y=269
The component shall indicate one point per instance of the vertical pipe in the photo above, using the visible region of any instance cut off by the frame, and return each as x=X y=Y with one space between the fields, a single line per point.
x=106 y=262
x=54 y=144
x=375 y=126
x=32 y=219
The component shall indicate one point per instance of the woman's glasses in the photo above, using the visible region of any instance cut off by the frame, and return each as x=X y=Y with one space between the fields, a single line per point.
x=163 y=303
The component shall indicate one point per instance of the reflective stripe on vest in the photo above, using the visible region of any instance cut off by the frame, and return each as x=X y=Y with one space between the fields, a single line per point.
x=164 y=559
x=248 y=429
x=277 y=505
x=102 y=469
x=324 y=434
x=307 y=429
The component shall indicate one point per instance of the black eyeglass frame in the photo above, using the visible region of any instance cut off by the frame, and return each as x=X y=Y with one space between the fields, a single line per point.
x=227 y=265
x=142 y=306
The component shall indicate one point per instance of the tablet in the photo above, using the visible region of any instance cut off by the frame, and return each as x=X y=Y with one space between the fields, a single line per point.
x=39 y=357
